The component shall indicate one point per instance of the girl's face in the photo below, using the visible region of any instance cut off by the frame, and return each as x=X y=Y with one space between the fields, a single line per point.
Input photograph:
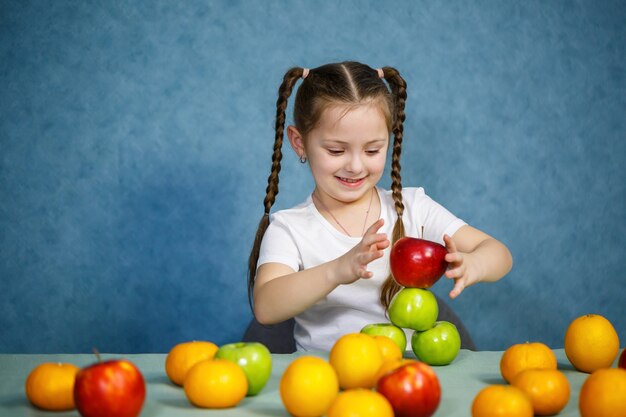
x=347 y=151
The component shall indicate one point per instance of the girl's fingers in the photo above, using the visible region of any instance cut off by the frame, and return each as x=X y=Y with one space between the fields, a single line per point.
x=383 y=245
x=449 y=243
x=377 y=241
x=453 y=257
x=458 y=288
x=378 y=254
x=368 y=257
x=365 y=258
x=374 y=227
x=455 y=273
x=372 y=247
x=373 y=238
x=363 y=273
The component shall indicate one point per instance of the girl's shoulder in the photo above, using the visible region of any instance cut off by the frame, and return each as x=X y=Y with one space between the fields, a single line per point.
x=409 y=195
x=293 y=215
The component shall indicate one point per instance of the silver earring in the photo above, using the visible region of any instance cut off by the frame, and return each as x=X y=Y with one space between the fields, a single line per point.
x=303 y=159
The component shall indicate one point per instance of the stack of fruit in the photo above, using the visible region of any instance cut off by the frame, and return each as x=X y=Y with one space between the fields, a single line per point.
x=416 y=264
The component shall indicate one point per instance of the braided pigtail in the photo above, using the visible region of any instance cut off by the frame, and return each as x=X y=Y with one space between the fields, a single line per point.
x=289 y=80
x=398 y=89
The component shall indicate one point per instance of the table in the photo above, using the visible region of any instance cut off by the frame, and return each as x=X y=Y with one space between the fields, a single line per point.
x=460 y=382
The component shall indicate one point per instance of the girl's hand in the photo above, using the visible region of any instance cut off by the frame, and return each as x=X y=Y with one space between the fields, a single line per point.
x=353 y=265
x=462 y=268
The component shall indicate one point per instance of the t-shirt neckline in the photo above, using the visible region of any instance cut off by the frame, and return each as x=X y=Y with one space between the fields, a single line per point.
x=335 y=231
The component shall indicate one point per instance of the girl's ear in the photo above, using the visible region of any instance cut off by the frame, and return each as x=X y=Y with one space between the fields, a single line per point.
x=296 y=141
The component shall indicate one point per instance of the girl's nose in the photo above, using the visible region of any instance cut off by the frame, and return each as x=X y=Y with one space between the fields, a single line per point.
x=355 y=164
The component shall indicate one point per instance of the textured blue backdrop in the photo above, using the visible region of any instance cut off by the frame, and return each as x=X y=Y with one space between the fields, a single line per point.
x=135 y=142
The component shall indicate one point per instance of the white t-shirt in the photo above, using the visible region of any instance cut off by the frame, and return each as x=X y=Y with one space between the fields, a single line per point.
x=302 y=238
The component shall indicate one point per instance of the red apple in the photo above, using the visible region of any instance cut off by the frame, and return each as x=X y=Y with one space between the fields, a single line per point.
x=413 y=390
x=109 y=388
x=417 y=263
x=622 y=360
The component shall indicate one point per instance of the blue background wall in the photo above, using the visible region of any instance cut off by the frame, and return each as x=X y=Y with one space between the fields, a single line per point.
x=135 y=142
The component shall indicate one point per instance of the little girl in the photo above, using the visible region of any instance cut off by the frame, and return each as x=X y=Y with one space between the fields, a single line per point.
x=326 y=261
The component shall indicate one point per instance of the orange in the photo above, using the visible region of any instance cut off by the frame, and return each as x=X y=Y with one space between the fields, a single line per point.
x=360 y=402
x=308 y=386
x=185 y=355
x=591 y=343
x=390 y=365
x=501 y=401
x=603 y=394
x=547 y=389
x=215 y=383
x=356 y=358
x=388 y=348
x=522 y=356
x=50 y=386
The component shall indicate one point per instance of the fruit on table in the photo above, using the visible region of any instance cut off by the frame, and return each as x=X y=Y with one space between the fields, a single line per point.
x=308 y=386
x=591 y=343
x=522 y=356
x=50 y=386
x=603 y=394
x=254 y=359
x=388 y=349
x=215 y=383
x=413 y=308
x=185 y=355
x=387 y=329
x=110 y=388
x=547 y=389
x=360 y=402
x=417 y=263
x=356 y=359
x=438 y=345
x=501 y=401
x=413 y=390
x=392 y=364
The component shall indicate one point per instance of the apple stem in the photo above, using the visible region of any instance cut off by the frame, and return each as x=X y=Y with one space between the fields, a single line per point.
x=422 y=231
x=95 y=352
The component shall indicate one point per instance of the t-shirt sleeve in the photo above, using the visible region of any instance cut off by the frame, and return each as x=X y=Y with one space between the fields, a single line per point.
x=436 y=219
x=279 y=246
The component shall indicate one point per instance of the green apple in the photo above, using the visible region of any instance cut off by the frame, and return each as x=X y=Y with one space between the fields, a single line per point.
x=255 y=360
x=387 y=329
x=413 y=308
x=438 y=345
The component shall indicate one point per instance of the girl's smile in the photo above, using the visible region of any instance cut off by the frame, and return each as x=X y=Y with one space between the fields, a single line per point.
x=351 y=182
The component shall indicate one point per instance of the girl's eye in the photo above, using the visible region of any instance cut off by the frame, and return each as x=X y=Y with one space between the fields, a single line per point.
x=372 y=151
x=335 y=151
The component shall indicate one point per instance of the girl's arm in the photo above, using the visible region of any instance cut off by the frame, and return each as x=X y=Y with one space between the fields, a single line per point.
x=474 y=256
x=281 y=293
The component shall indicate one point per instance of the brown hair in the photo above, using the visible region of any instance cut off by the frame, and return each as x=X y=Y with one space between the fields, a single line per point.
x=331 y=84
